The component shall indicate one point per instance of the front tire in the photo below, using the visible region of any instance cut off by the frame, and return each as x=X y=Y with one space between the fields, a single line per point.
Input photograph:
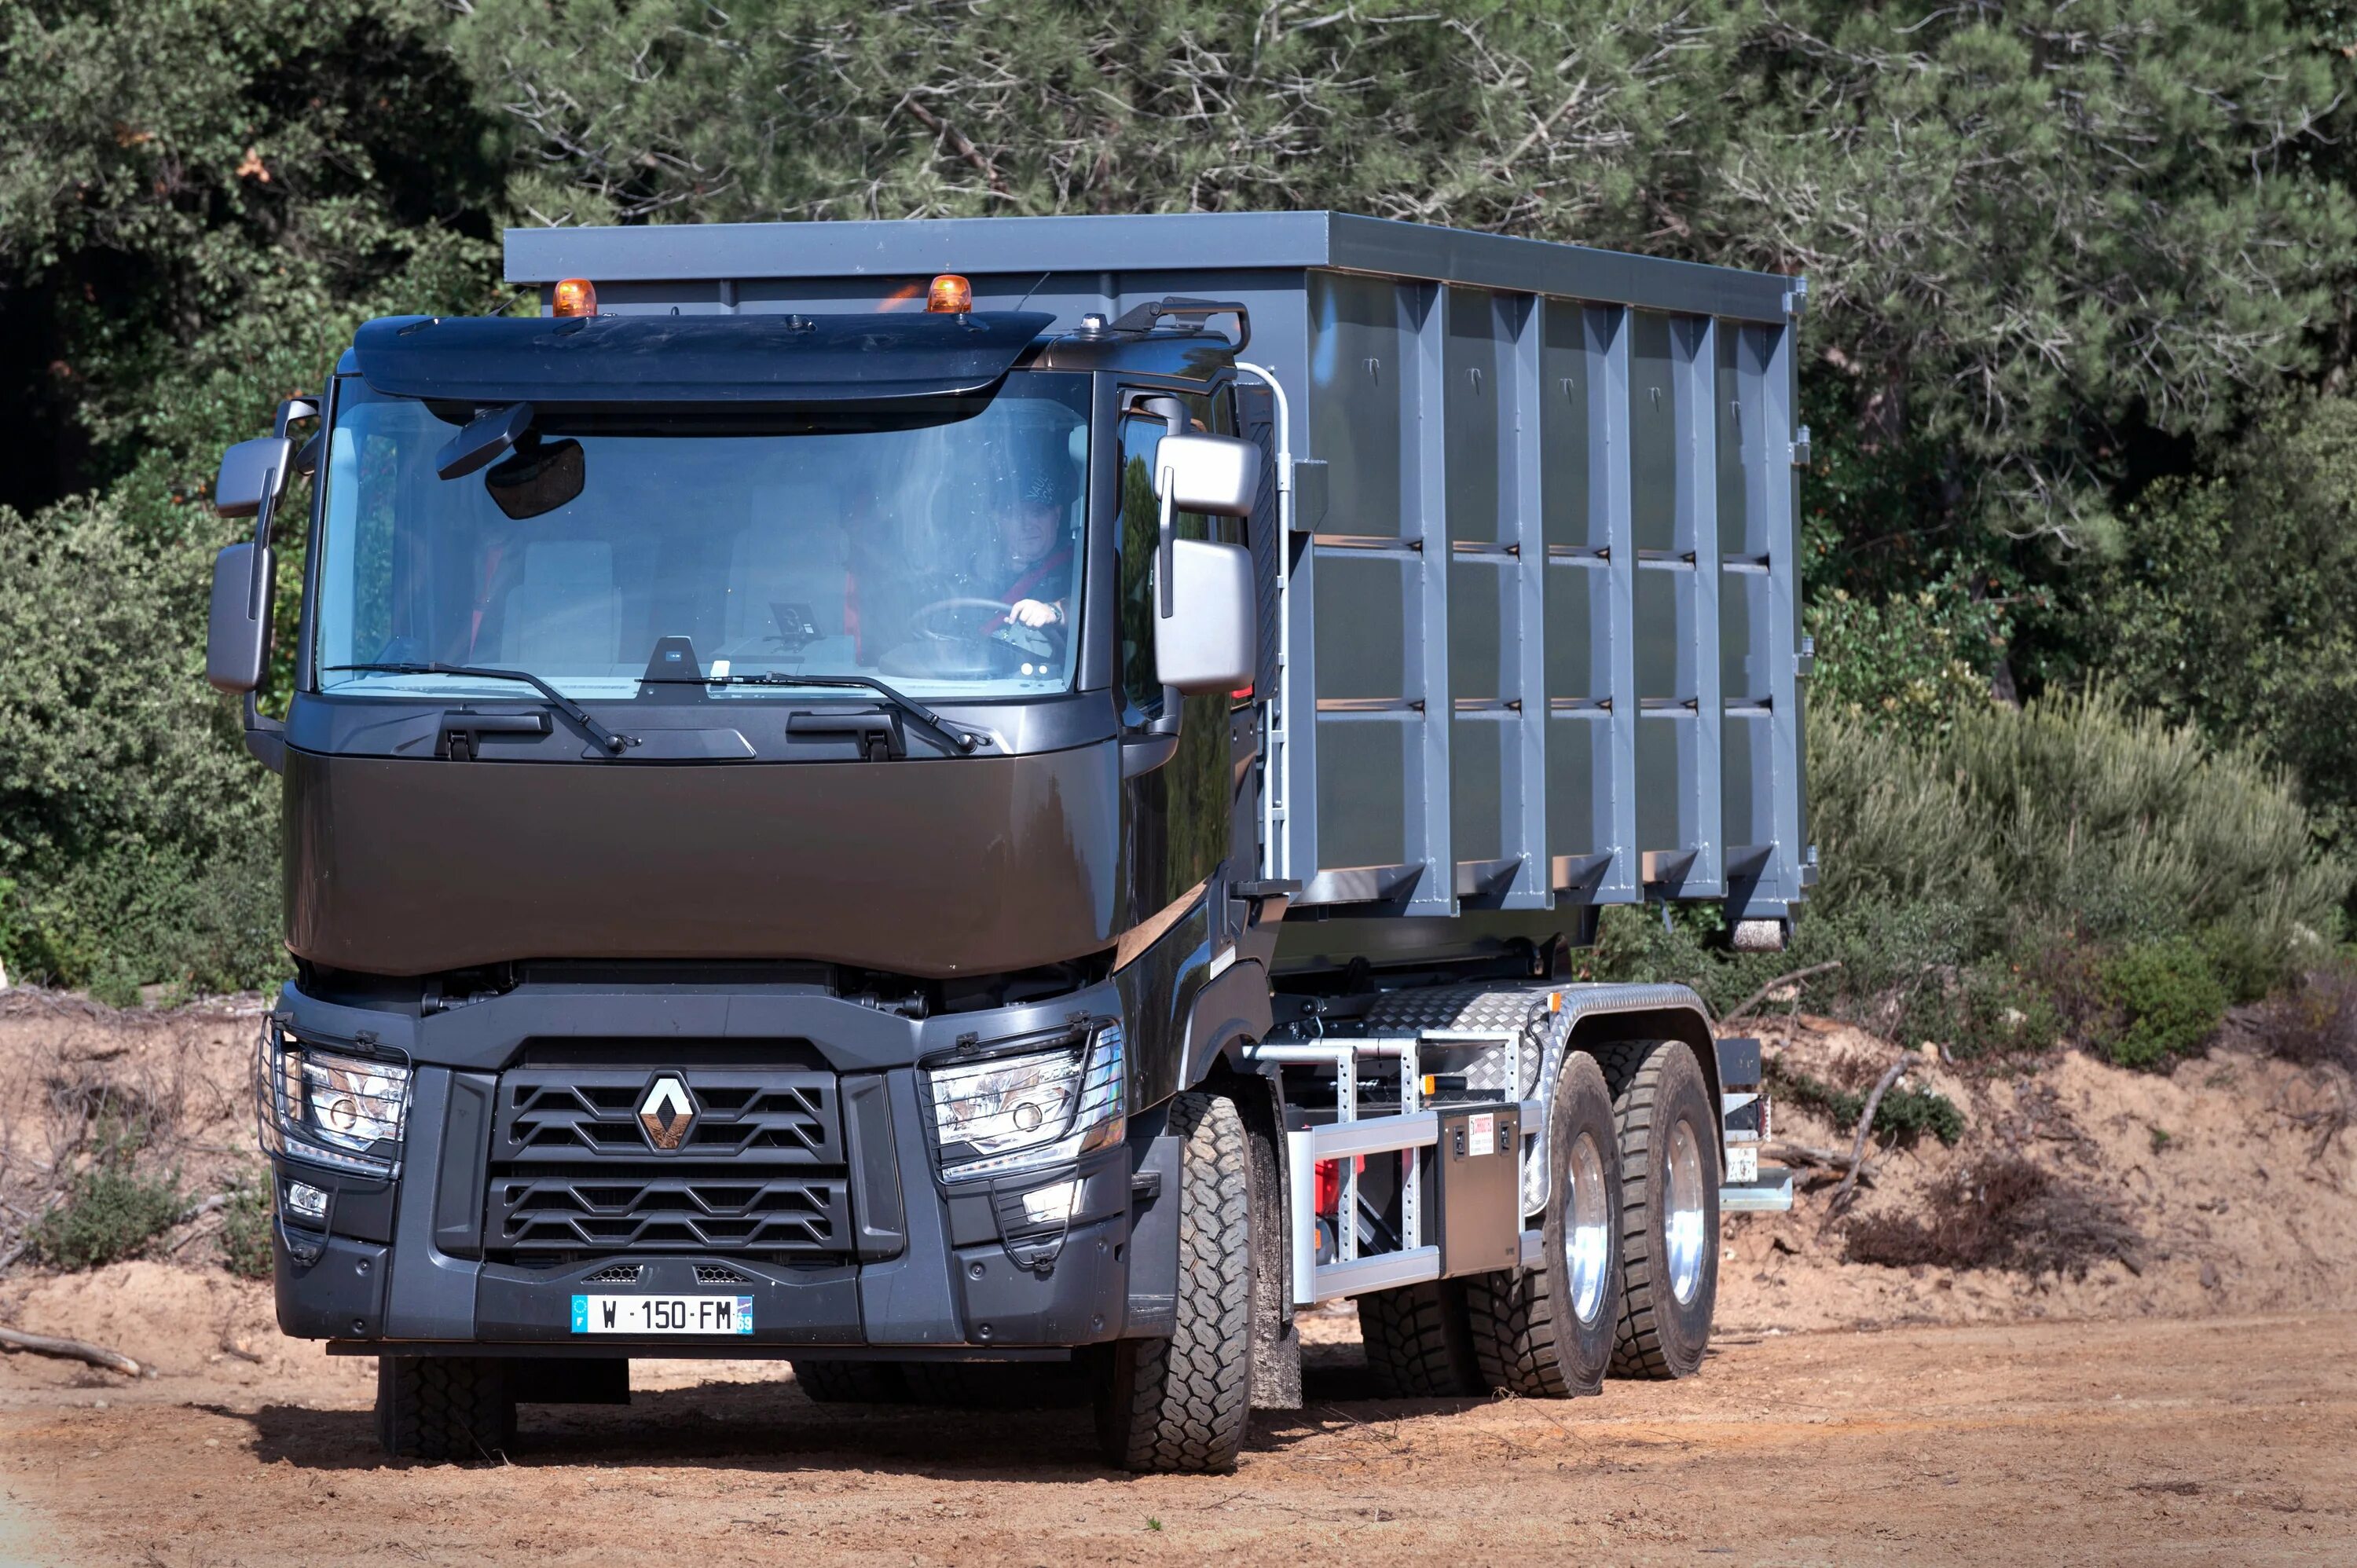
x=444 y=1407
x=1182 y=1403
x=1548 y=1333
x=1669 y=1209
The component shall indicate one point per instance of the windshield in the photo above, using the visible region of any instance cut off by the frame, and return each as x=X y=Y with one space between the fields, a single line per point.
x=940 y=550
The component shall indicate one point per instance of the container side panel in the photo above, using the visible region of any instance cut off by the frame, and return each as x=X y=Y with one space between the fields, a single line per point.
x=1476 y=378
x=1749 y=804
x=1360 y=366
x=1777 y=499
x=1365 y=763
x=1365 y=650
x=1610 y=484
x=1695 y=364
x=1578 y=628
x=1523 y=528
x=1664 y=633
x=1481 y=612
x=1743 y=637
x=1579 y=786
x=1477 y=779
x=1664 y=808
x=1571 y=524
x=1739 y=535
x=1484 y=789
x=1654 y=435
x=1427 y=525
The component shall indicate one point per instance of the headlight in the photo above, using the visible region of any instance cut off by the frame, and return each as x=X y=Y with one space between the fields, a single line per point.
x=343 y=1112
x=1021 y=1112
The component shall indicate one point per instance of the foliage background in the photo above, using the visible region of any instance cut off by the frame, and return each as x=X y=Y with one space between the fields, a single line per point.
x=2079 y=356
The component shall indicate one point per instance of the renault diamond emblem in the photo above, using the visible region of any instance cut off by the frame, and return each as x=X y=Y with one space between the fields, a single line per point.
x=667 y=1111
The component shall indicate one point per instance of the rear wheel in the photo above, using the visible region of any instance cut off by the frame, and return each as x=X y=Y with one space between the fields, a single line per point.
x=1418 y=1343
x=1669 y=1209
x=850 y=1382
x=1548 y=1332
x=1181 y=1403
x=444 y=1407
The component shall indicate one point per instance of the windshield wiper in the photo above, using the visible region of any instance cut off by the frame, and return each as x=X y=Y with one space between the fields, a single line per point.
x=961 y=743
x=615 y=745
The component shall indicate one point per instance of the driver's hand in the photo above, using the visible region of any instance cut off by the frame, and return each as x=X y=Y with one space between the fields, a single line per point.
x=1033 y=613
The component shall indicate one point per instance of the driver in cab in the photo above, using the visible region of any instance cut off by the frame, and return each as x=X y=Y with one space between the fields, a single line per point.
x=1036 y=562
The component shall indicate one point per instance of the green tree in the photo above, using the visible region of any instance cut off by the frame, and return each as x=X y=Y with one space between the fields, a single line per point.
x=190 y=189
x=2032 y=231
x=2231 y=605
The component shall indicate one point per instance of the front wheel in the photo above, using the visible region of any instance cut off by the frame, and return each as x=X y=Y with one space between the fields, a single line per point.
x=444 y=1407
x=1548 y=1332
x=1181 y=1403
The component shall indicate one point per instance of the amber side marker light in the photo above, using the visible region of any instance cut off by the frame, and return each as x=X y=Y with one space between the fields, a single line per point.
x=575 y=296
x=950 y=293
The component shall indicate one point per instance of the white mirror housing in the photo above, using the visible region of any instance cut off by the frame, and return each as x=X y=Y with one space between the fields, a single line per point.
x=247 y=470
x=1208 y=643
x=1215 y=474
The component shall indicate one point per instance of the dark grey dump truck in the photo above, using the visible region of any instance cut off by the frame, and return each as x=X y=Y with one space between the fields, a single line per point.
x=900 y=796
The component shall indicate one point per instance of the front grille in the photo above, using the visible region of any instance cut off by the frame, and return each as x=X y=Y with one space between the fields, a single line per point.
x=713 y=1274
x=761 y=1172
x=614 y=1274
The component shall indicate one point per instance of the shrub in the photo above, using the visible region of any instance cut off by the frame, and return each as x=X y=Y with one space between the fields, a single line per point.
x=110 y=1210
x=2164 y=1001
x=1908 y=662
x=2002 y=1008
x=2315 y=1023
x=2002 y=1211
x=246 y=1227
x=1904 y=1114
x=137 y=834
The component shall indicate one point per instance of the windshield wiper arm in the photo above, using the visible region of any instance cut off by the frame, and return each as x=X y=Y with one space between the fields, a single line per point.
x=961 y=743
x=615 y=745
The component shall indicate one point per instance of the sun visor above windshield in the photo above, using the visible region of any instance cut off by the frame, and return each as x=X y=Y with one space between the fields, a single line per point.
x=765 y=359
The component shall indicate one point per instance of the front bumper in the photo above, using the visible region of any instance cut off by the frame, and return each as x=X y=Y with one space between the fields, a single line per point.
x=922 y=1267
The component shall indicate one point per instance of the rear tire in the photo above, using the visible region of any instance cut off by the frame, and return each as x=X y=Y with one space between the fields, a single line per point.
x=1669 y=1209
x=850 y=1382
x=1182 y=1403
x=444 y=1407
x=1418 y=1343
x=1548 y=1332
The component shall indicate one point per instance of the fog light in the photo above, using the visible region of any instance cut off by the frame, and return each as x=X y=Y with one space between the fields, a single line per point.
x=1050 y=1205
x=307 y=1200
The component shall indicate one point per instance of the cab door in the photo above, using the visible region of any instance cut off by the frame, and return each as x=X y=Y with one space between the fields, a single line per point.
x=1176 y=803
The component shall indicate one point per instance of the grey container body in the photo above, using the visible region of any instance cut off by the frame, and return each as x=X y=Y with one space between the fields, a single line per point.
x=1541 y=642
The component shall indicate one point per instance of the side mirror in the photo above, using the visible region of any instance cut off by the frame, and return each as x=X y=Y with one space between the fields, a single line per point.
x=1214 y=474
x=1206 y=642
x=250 y=472
x=237 y=636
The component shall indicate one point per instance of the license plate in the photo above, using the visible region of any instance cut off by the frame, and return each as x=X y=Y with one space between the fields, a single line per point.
x=662 y=1315
x=1742 y=1164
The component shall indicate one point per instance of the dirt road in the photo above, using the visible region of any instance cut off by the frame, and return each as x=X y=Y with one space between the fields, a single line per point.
x=2226 y=1440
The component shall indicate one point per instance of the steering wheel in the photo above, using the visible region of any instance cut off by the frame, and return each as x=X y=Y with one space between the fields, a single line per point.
x=926 y=619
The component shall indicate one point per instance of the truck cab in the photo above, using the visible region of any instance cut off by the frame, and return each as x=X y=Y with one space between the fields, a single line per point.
x=780 y=860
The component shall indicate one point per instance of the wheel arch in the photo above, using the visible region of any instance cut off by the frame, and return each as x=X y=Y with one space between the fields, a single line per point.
x=1668 y=1019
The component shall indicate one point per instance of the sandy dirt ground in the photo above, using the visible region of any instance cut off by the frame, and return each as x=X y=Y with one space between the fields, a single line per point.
x=2156 y=1440
x=2197 y=1404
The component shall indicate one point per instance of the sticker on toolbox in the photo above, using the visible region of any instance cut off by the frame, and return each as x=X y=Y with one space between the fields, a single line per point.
x=1482 y=1134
